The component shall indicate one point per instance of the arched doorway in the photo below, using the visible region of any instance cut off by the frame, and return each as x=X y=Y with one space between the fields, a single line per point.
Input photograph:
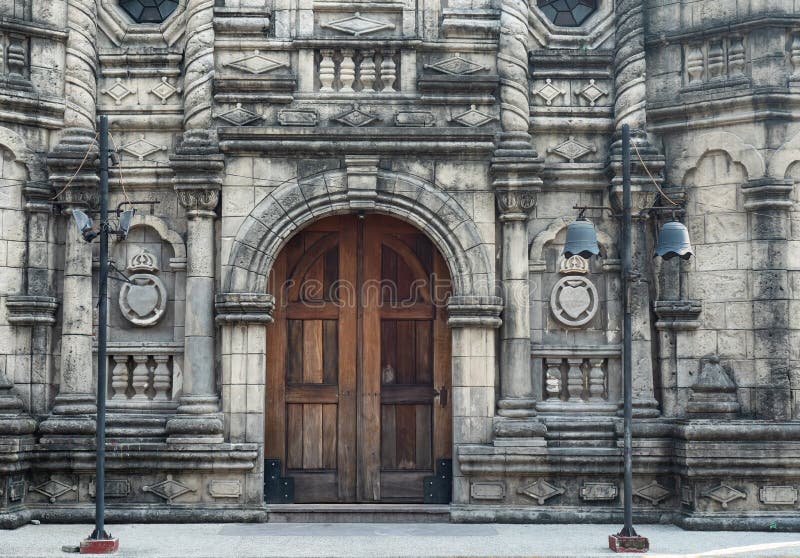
x=358 y=380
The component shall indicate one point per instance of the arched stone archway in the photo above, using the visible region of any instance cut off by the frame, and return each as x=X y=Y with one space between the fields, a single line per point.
x=244 y=308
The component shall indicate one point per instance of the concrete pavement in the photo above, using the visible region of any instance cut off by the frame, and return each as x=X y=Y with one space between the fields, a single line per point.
x=368 y=540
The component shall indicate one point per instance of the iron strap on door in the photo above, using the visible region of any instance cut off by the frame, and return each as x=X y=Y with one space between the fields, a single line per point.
x=277 y=489
x=438 y=489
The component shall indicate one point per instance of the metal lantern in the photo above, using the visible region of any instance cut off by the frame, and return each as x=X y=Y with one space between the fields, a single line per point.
x=581 y=239
x=673 y=240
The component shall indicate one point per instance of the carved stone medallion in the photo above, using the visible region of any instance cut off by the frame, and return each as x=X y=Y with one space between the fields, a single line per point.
x=574 y=301
x=143 y=300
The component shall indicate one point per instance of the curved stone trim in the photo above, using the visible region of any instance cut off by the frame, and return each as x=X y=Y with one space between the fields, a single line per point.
x=784 y=157
x=178 y=261
x=279 y=215
x=739 y=151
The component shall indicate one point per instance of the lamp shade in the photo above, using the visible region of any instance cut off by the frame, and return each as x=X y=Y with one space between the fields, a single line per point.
x=581 y=239
x=673 y=240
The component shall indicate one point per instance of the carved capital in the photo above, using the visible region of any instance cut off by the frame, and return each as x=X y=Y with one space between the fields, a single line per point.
x=474 y=311
x=768 y=193
x=244 y=307
x=677 y=314
x=515 y=203
x=199 y=201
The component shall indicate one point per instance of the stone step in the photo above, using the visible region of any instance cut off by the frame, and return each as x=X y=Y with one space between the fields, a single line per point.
x=358 y=513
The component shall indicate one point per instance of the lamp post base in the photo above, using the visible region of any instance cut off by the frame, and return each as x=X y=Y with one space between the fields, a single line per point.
x=621 y=543
x=99 y=546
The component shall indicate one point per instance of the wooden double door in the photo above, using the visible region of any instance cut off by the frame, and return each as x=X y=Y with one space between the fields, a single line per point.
x=358 y=361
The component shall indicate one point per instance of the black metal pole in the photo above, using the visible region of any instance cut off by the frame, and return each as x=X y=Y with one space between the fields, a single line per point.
x=100 y=473
x=627 y=371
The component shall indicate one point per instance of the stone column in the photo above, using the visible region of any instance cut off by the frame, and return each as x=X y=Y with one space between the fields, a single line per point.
x=473 y=319
x=516 y=382
x=75 y=402
x=199 y=65
x=768 y=201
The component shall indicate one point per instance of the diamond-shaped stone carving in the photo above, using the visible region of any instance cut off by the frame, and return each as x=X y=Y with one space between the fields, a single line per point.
x=240 y=116
x=571 y=149
x=653 y=493
x=54 y=489
x=456 y=66
x=591 y=92
x=118 y=91
x=472 y=118
x=142 y=148
x=541 y=491
x=256 y=63
x=164 y=90
x=549 y=92
x=356 y=117
x=169 y=489
x=358 y=25
x=724 y=494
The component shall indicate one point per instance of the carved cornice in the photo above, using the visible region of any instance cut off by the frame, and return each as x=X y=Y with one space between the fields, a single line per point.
x=678 y=314
x=474 y=311
x=514 y=204
x=26 y=310
x=198 y=166
x=768 y=193
x=244 y=307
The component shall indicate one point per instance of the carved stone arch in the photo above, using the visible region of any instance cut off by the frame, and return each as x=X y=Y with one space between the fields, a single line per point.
x=23 y=155
x=548 y=235
x=782 y=160
x=291 y=206
x=171 y=237
x=739 y=152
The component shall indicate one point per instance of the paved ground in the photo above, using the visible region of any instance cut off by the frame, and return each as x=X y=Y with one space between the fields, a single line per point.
x=352 y=540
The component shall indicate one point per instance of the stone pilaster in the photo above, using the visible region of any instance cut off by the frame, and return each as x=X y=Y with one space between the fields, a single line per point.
x=198 y=166
x=516 y=382
x=768 y=201
x=673 y=316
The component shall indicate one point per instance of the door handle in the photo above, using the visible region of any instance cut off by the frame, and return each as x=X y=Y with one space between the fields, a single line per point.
x=441 y=396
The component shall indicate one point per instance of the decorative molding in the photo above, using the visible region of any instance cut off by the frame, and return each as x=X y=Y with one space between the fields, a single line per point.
x=358 y=25
x=575 y=265
x=31 y=309
x=653 y=493
x=595 y=491
x=488 y=490
x=474 y=311
x=724 y=494
x=198 y=200
x=244 y=307
x=143 y=299
x=298 y=117
x=472 y=118
x=115 y=488
x=142 y=148
x=414 y=118
x=678 y=314
x=574 y=301
x=456 y=65
x=118 y=91
x=778 y=495
x=541 y=491
x=256 y=63
x=165 y=90
x=240 y=116
x=549 y=92
x=225 y=488
x=53 y=489
x=768 y=193
x=515 y=202
x=168 y=489
x=591 y=93
x=355 y=117
x=572 y=150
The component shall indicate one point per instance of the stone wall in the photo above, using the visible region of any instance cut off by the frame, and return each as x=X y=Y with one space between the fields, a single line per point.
x=483 y=123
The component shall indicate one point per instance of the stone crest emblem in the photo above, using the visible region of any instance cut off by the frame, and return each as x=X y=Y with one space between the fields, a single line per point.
x=574 y=301
x=143 y=300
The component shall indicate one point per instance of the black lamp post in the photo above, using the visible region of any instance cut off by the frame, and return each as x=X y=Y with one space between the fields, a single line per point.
x=673 y=240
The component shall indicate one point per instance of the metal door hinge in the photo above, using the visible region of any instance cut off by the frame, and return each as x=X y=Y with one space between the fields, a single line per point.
x=438 y=489
x=277 y=489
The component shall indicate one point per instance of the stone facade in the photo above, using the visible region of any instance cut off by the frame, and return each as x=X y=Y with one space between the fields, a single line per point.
x=482 y=123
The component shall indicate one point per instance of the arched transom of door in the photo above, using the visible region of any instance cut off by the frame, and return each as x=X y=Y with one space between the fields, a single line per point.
x=358 y=361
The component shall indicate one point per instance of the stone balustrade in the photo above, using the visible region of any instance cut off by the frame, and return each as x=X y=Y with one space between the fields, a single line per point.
x=14 y=60
x=144 y=377
x=350 y=70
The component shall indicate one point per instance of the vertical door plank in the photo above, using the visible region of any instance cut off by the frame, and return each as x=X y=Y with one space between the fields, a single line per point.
x=442 y=377
x=405 y=352
x=406 y=420
x=275 y=407
x=330 y=352
x=423 y=337
x=312 y=351
x=294 y=437
x=294 y=352
x=348 y=332
x=313 y=281
x=424 y=442
x=331 y=273
x=329 y=436
x=312 y=436
x=388 y=440
x=388 y=352
x=388 y=276
x=370 y=381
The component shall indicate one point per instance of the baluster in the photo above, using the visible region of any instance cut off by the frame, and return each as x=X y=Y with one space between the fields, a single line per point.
x=597 y=379
x=736 y=55
x=716 y=59
x=388 y=71
x=161 y=377
x=367 y=71
x=794 y=56
x=694 y=64
x=327 y=70
x=16 y=56
x=574 y=379
x=140 y=379
x=347 y=70
x=553 y=378
x=119 y=376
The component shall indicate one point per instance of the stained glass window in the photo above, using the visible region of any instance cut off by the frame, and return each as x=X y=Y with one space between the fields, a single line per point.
x=149 y=11
x=567 y=13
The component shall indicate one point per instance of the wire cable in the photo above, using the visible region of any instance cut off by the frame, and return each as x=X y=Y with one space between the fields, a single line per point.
x=83 y=162
x=119 y=166
x=658 y=187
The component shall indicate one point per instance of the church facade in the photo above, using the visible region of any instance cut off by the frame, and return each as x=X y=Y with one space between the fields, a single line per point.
x=343 y=283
